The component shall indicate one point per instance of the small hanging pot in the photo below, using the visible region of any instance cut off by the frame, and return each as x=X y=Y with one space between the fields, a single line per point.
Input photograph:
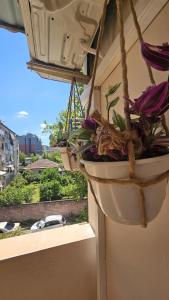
x=70 y=161
x=121 y=202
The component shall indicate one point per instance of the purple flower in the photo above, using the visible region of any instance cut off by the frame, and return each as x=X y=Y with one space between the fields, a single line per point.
x=89 y=124
x=156 y=56
x=154 y=100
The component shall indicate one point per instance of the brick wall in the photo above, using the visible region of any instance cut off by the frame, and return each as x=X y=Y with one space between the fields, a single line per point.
x=39 y=210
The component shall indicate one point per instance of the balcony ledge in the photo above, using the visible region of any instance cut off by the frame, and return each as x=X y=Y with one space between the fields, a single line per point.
x=39 y=241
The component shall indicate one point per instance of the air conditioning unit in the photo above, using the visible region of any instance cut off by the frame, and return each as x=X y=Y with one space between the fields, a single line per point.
x=60 y=34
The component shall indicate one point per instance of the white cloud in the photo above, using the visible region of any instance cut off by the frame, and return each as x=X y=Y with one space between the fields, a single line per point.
x=22 y=114
x=43 y=125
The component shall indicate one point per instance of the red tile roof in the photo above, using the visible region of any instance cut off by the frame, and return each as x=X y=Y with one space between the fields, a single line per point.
x=42 y=164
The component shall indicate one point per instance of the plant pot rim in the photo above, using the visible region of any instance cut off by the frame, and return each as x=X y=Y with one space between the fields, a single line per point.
x=125 y=163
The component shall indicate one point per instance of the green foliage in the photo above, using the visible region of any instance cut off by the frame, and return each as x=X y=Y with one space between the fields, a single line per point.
x=54 y=156
x=113 y=102
x=31 y=177
x=17 y=232
x=50 y=191
x=57 y=130
x=49 y=185
x=19 y=181
x=112 y=89
x=12 y=195
x=22 y=158
x=118 y=121
x=83 y=217
x=49 y=174
x=34 y=157
x=76 y=189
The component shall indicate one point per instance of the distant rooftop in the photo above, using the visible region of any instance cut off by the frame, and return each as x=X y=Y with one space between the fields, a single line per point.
x=42 y=164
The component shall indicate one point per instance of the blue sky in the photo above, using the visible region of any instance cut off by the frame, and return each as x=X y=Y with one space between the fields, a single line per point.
x=26 y=100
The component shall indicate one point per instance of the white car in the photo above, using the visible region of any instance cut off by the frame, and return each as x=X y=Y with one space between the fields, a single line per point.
x=49 y=222
x=6 y=227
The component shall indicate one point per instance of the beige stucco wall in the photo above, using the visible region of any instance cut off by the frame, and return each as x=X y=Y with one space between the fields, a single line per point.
x=137 y=259
x=54 y=264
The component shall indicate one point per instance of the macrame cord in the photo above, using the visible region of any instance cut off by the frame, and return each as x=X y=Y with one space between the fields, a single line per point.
x=100 y=37
x=152 y=80
x=73 y=103
x=69 y=109
x=74 y=112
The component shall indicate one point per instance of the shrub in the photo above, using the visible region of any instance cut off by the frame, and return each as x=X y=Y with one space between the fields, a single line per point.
x=50 y=191
x=12 y=195
x=55 y=156
x=27 y=194
x=50 y=174
x=18 y=181
x=77 y=187
x=31 y=177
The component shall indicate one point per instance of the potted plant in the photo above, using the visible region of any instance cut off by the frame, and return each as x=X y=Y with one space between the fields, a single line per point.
x=104 y=149
x=59 y=140
x=74 y=116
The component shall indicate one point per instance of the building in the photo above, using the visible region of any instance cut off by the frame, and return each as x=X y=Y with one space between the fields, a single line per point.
x=41 y=164
x=9 y=155
x=101 y=260
x=30 y=143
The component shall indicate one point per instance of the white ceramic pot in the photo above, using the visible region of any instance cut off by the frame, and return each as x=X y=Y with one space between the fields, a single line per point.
x=69 y=162
x=65 y=158
x=121 y=203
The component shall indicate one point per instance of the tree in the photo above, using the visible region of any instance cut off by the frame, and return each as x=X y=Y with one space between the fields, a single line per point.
x=50 y=191
x=54 y=156
x=34 y=157
x=13 y=195
x=22 y=158
x=57 y=130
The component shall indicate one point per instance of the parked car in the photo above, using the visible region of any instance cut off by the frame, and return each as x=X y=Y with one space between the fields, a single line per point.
x=49 y=222
x=6 y=227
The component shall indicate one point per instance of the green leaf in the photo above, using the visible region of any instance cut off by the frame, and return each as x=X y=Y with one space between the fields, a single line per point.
x=112 y=89
x=85 y=147
x=113 y=103
x=81 y=134
x=118 y=121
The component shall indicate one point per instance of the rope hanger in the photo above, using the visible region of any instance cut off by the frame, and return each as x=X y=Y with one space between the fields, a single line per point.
x=152 y=80
x=72 y=110
x=100 y=37
x=140 y=184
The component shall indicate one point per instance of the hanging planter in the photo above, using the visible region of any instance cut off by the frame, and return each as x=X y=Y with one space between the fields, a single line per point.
x=70 y=161
x=74 y=115
x=121 y=201
x=126 y=162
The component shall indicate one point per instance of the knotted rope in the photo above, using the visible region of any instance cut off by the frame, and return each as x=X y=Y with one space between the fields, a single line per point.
x=132 y=180
x=69 y=110
x=131 y=153
x=97 y=56
x=74 y=105
x=152 y=80
x=138 y=183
